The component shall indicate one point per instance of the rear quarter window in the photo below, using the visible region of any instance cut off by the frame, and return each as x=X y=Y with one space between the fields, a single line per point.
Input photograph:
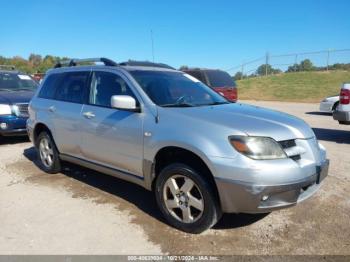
x=219 y=78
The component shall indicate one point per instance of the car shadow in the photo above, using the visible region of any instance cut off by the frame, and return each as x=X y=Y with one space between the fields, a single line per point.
x=11 y=140
x=319 y=113
x=333 y=135
x=238 y=220
x=135 y=194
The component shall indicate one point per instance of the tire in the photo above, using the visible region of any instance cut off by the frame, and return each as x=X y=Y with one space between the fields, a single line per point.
x=48 y=155
x=192 y=209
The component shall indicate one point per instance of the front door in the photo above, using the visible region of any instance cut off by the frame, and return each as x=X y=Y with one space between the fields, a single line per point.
x=111 y=137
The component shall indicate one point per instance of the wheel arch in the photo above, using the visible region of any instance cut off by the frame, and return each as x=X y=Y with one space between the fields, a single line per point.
x=40 y=127
x=336 y=103
x=176 y=154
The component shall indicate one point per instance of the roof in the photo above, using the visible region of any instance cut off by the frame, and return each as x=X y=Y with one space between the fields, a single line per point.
x=145 y=64
x=73 y=64
x=200 y=69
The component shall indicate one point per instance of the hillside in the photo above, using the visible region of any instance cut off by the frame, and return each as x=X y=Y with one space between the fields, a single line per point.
x=298 y=87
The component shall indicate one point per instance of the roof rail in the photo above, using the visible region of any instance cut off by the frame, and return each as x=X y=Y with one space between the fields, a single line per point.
x=145 y=63
x=11 y=67
x=74 y=62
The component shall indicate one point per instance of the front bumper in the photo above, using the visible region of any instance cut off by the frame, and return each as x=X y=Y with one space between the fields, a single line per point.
x=243 y=197
x=342 y=116
x=15 y=126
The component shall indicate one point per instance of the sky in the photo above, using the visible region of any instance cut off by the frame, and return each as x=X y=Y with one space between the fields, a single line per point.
x=212 y=34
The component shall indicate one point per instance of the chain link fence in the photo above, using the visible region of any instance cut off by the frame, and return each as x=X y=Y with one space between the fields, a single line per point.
x=274 y=64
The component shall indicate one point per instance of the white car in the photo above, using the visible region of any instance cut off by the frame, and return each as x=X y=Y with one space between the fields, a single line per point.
x=342 y=112
x=329 y=104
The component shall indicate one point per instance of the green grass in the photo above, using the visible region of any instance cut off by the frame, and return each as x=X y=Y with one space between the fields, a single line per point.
x=295 y=87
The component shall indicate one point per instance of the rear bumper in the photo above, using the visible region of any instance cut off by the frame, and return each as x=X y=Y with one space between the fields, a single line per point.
x=342 y=116
x=243 y=197
x=13 y=126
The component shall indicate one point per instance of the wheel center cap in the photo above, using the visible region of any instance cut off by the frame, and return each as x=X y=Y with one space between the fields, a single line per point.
x=182 y=199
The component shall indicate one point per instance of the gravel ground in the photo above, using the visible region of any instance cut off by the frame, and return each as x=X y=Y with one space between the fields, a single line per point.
x=84 y=212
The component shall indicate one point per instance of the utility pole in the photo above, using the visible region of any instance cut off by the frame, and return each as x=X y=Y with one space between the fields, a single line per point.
x=328 y=53
x=295 y=62
x=152 y=42
x=266 y=63
x=242 y=71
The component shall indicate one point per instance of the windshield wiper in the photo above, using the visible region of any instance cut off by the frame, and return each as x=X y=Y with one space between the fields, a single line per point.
x=24 y=89
x=5 y=89
x=177 y=105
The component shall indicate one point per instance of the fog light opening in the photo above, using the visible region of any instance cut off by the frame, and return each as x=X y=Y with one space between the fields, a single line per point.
x=3 y=126
x=265 y=197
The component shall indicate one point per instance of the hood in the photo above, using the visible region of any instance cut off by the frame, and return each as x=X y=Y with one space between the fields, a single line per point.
x=251 y=120
x=14 y=97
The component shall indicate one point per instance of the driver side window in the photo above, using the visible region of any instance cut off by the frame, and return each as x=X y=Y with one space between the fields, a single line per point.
x=104 y=85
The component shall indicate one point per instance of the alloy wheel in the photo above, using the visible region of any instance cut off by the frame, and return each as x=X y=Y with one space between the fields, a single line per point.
x=46 y=152
x=183 y=199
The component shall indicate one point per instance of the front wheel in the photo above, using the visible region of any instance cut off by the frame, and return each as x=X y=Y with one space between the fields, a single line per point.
x=186 y=199
x=48 y=154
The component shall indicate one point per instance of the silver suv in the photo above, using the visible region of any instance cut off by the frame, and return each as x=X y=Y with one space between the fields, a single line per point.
x=168 y=132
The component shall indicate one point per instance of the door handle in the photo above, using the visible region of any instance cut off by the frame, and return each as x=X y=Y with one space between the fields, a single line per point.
x=52 y=109
x=89 y=115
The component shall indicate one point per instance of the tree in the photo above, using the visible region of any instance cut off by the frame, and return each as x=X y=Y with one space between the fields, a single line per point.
x=238 y=76
x=35 y=60
x=306 y=65
x=183 y=67
x=264 y=69
x=293 y=68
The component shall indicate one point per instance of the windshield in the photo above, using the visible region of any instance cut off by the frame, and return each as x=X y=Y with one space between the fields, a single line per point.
x=219 y=78
x=175 y=89
x=14 y=82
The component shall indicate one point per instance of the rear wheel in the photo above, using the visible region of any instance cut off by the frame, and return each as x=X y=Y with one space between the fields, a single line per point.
x=186 y=199
x=48 y=154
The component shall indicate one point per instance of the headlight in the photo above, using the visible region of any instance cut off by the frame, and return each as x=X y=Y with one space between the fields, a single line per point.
x=261 y=148
x=5 y=110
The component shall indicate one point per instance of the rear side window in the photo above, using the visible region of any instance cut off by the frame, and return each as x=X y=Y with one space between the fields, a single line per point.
x=104 y=85
x=219 y=78
x=73 y=87
x=49 y=87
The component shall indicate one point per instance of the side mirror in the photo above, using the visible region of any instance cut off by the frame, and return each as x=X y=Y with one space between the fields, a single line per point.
x=124 y=103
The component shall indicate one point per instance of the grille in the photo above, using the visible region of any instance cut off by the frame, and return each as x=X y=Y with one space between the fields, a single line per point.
x=22 y=110
x=287 y=143
x=291 y=149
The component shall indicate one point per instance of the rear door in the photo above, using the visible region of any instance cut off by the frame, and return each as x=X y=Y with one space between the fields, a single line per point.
x=65 y=111
x=112 y=137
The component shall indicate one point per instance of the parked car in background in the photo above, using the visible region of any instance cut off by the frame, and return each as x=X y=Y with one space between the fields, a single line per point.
x=168 y=132
x=329 y=104
x=38 y=77
x=16 y=90
x=342 y=112
x=218 y=80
